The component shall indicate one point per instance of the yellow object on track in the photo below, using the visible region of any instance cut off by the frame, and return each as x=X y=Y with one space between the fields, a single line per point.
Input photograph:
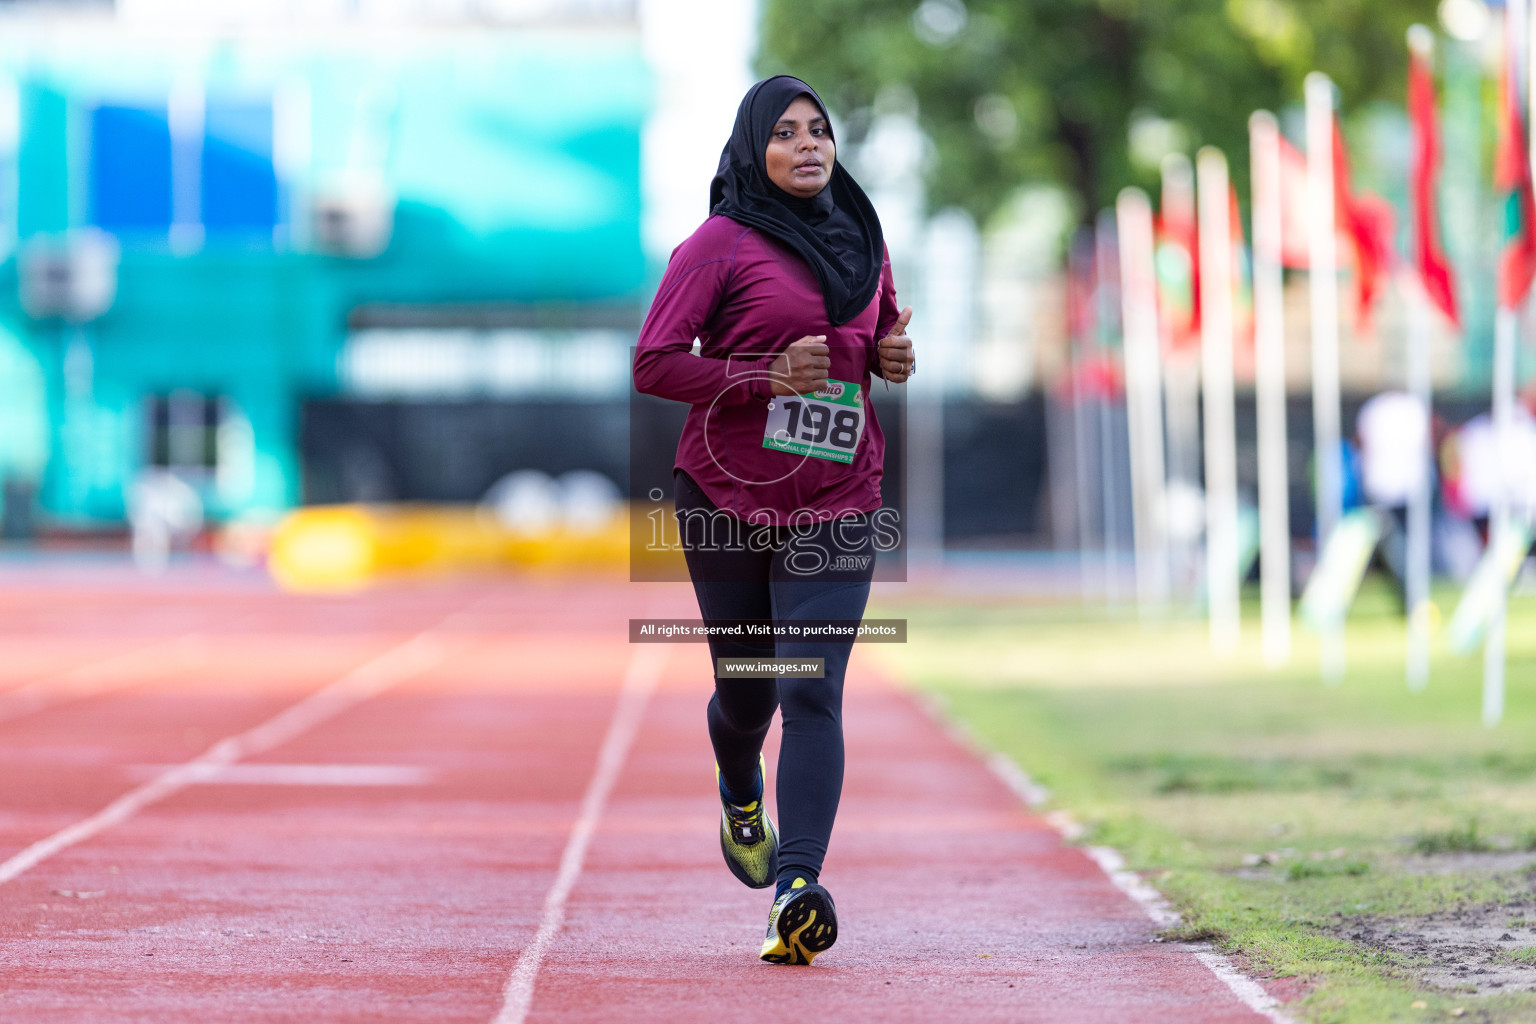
x=346 y=547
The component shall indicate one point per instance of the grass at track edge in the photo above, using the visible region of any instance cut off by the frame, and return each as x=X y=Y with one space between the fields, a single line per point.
x=1280 y=816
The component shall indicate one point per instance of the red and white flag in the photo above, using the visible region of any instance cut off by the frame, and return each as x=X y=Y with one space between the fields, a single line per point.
x=1429 y=259
x=1293 y=206
x=1178 y=264
x=1364 y=224
x=1366 y=221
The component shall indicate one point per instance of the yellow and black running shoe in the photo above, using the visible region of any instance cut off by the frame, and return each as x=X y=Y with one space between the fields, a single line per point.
x=748 y=839
x=802 y=923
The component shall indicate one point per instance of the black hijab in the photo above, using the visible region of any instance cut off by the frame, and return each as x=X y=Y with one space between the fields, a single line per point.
x=836 y=231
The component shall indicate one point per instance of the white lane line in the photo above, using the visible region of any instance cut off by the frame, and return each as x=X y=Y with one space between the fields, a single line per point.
x=645 y=667
x=1032 y=794
x=399 y=663
x=267 y=774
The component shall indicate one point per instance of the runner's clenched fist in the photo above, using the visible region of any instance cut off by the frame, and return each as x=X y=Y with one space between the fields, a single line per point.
x=802 y=367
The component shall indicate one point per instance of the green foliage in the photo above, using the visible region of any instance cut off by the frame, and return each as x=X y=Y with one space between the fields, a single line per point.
x=1303 y=869
x=1076 y=72
x=1452 y=840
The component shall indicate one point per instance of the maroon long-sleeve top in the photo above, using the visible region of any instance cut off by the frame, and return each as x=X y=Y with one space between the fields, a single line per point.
x=746 y=297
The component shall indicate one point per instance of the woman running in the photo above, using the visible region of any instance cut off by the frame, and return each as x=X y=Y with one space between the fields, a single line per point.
x=787 y=286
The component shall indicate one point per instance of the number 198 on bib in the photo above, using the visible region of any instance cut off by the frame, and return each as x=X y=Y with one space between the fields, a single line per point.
x=825 y=425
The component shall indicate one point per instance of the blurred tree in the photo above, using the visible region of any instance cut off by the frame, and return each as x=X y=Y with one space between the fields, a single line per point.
x=1084 y=93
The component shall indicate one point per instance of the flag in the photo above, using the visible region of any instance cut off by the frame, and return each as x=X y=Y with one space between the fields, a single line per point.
x=1364 y=224
x=1178 y=269
x=1082 y=318
x=1512 y=178
x=1092 y=372
x=1293 y=207
x=1429 y=258
x=1366 y=221
x=1106 y=284
x=1242 y=275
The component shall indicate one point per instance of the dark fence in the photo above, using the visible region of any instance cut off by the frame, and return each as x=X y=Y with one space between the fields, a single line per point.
x=451 y=451
x=996 y=480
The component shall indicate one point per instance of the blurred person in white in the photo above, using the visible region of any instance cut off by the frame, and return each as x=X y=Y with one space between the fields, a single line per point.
x=1393 y=434
x=1476 y=464
x=164 y=512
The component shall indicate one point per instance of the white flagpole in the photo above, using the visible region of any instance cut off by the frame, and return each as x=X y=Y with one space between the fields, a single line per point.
x=1106 y=270
x=1221 y=546
x=1269 y=388
x=1181 y=374
x=1506 y=341
x=1322 y=261
x=1528 y=73
x=1143 y=395
x=1077 y=364
x=1420 y=503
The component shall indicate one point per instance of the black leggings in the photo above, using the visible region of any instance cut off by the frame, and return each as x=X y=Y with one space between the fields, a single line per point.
x=781 y=574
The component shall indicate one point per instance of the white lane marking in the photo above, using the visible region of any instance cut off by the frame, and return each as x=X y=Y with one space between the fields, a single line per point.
x=1031 y=792
x=1133 y=885
x=1249 y=992
x=95 y=676
x=401 y=662
x=645 y=667
x=303 y=774
x=1245 y=988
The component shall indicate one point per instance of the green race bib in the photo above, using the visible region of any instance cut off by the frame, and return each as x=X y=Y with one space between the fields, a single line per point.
x=824 y=425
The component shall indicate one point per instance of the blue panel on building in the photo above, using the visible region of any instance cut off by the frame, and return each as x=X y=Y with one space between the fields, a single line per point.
x=239 y=184
x=130 y=169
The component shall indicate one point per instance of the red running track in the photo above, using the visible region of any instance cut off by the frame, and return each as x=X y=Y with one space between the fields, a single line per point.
x=413 y=889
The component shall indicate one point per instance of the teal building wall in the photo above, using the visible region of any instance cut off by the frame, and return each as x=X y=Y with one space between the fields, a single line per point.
x=514 y=159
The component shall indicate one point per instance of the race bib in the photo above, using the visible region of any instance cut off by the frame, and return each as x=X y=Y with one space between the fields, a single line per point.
x=824 y=425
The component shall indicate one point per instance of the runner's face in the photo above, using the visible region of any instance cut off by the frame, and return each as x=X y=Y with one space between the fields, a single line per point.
x=800 y=152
